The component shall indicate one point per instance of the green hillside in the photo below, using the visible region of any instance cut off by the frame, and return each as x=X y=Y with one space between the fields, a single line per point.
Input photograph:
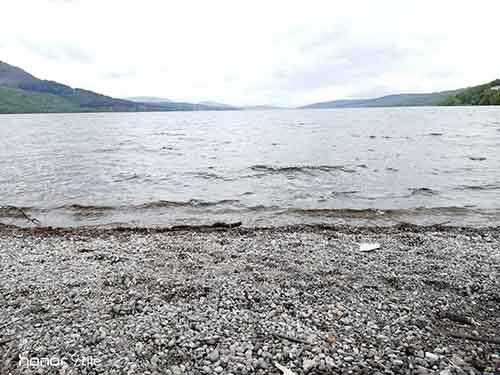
x=21 y=92
x=20 y=101
x=396 y=100
x=488 y=94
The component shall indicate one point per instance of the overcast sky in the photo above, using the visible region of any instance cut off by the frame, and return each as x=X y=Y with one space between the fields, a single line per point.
x=254 y=52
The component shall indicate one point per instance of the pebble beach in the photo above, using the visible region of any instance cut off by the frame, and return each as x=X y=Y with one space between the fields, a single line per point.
x=288 y=300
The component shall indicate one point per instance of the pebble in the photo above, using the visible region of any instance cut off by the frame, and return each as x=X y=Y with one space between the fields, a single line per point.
x=190 y=302
x=309 y=364
x=431 y=357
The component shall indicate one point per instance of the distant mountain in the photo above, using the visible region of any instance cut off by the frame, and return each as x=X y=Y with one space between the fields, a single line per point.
x=217 y=104
x=148 y=99
x=397 y=100
x=488 y=94
x=21 y=92
x=247 y=108
x=262 y=107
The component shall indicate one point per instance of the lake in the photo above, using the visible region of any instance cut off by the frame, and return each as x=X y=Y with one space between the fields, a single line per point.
x=345 y=166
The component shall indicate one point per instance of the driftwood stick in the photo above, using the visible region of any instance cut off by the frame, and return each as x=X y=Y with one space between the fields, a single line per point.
x=31 y=220
x=6 y=340
x=9 y=323
x=456 y=317
x=490 y=339
x=290 y=338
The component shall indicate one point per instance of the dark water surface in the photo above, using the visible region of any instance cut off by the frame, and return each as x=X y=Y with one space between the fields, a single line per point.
x=358 y=166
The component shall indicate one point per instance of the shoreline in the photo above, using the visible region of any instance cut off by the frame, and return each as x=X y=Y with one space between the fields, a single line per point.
x=239 y=227
x=210 y=300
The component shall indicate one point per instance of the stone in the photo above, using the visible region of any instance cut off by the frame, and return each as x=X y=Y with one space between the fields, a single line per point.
x=431 y=357
x=309 y=364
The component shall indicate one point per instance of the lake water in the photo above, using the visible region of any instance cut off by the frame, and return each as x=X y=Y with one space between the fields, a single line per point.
x=358 y=166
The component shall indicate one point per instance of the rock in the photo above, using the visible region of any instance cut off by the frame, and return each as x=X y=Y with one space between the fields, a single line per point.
x=309 y=364
x=457 y=361
x=422 y=371
x=261 y=363
x=366 y=247
x=398 y=362
x=431 y=357
x=283 y=369
x=214 y=356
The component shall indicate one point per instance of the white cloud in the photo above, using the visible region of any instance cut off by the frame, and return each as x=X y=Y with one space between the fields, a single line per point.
x=280 y=52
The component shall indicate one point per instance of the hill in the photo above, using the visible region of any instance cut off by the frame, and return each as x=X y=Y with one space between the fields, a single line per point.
x=397 y=100
x=84 y=100
x=148 y=99
x=20 y=101
x=262 y=107
x=12 y=76
x=22 y=92
x=217 y=104
x=487 y=94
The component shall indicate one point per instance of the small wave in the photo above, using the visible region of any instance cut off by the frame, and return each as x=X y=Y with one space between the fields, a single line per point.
x=386 y=214
x=82 y=208
x=191 y=203
x=344 y=193
x=123 y=177
x=423 y=191
x=197 y=203
x=477 y=158
x=479 y=187
x=105 y=150
x=208 y=176
x=162 y=204
x=301 y=169
x=90 y=210
x=171 y=134
x=337 y=212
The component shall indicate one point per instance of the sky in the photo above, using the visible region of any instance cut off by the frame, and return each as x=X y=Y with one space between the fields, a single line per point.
x=287 y=53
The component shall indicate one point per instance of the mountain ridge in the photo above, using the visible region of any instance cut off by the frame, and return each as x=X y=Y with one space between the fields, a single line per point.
x=148 y=99
x=393 y=100
x=24 y=93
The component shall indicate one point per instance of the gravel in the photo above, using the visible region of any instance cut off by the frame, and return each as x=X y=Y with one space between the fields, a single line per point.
x=237 y=301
